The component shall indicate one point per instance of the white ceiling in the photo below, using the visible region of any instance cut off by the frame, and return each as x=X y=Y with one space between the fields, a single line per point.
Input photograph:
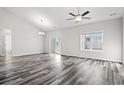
x=55 y=17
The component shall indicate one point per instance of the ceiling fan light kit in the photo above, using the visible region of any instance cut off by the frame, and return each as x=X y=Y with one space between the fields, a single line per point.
x=78 y=17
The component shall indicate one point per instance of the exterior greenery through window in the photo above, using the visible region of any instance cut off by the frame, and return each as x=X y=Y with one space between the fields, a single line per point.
x=92 y=41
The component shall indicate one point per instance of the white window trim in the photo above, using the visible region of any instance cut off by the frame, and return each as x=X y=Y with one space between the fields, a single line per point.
x=81 y=41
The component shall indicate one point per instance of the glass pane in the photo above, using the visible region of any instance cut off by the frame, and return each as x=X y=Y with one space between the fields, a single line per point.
x=93 y=41
x=87 y=42
x=97 y=41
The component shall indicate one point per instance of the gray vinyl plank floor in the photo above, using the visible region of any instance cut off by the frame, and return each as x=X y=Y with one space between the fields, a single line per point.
x=52 y=69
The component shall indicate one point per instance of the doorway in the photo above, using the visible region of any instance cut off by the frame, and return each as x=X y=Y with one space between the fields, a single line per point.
x=56 y=45
x=5 y=42
x=8 y=43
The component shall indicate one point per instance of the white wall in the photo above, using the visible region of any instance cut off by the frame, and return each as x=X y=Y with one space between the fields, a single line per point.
x=25 y=38
x=112 y=48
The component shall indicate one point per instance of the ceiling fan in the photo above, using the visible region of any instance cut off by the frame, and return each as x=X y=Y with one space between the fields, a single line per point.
x=78 y=17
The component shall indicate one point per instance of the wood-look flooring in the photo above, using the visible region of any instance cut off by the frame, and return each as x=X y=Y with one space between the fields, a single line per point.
x=51 y=69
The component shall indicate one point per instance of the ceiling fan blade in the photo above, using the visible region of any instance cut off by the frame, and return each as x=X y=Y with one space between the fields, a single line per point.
x=70 y=18
x=72 y=14
x=85 y=13
x=86 y=17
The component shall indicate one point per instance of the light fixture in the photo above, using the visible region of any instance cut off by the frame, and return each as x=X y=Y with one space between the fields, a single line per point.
x=41 y=20
x=41 y=33
x=44 y=22
x=78 y=18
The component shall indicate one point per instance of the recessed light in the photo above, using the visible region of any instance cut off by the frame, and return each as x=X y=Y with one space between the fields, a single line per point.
x=41 y=20
x=113 y=14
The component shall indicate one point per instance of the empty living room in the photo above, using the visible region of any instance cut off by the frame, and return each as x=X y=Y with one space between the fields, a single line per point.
x=61 y=45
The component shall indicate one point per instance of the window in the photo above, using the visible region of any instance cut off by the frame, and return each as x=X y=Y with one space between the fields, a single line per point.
x=92 y=41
